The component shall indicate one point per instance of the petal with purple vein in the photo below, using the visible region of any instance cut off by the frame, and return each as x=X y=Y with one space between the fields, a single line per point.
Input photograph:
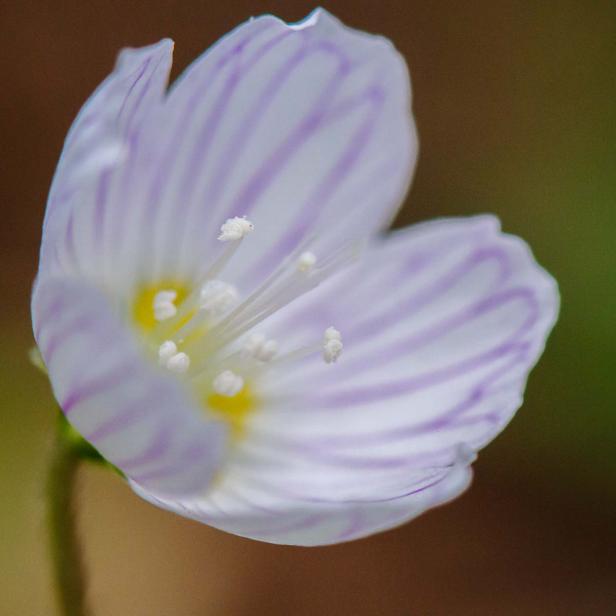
x=96 y=146
x=289 y=125
x=140 y=419
x=432 y=371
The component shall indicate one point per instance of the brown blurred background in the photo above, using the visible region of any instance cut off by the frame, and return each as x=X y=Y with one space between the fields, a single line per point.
x=515 y=103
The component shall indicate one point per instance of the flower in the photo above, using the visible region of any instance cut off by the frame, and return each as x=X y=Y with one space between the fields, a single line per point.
x=222 y=318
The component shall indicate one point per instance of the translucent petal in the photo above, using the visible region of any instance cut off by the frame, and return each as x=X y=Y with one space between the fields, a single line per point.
x=97 y=145
x=139 y=418
x=253 y=511
x=453 y=316
x=306 y=129
x=441 y=325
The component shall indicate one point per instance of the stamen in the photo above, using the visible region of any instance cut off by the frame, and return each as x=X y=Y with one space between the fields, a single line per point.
x=166 y=351
x=331 y=333
x=260 y=348
x=216 y=297
x=332 y=345
x=279 y=289
x=228 y=383
x=163 y=305
x=180 y=362
x=306 y=262
x=169 y=357
x=330 y=348
x=235 y=229
x=165 y=296
x=272 y=297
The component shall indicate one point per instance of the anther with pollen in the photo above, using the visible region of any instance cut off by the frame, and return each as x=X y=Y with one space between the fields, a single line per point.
x=259 y=347
x=164 y=305
x=332 y=345
x=169 y=357
x=306 y=262
x=228 y=383
x=235 y=229
x=216 y=297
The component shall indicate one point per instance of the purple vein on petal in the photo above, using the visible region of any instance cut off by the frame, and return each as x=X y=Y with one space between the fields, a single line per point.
x=324 y=191
x=202 y=146
x=58 y=337
x=190 y=456
x=187 y=114
x=154 y=450
x=443 y=419
x=77 y=394
x=122 y=419
x=141 y=97
x=293 y=491
x=417 y=300
x=405 y=345
x=141 y=72
x=198 y=158
x=391 y=389
x=254 y=187
x=227 y=158
x=326 y=452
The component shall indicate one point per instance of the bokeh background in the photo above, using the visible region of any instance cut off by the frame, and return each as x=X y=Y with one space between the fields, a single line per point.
x=515 y=104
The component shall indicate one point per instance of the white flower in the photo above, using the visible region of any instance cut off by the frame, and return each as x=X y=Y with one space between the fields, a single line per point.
x=181 y=224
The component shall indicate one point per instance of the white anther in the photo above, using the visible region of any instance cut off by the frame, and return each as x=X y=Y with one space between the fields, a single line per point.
x=332 y=345
x=228 y=383
x=332 y=350
x=260 y=347
x=217 y=296
x=162 y=312
x=235 y=229
x=166 y=351
x=180 y=362
x=163 y=305
x=331 y=333
x=164 y=297
x=306 y=262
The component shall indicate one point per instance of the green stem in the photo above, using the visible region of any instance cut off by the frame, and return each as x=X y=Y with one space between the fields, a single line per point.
x=65 y=552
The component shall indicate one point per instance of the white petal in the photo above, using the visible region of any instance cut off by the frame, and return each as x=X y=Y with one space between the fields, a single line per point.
x=100 y=142
x=442 y=324
x=453 y=316
x=250 y=510
x=306 y=129
x=139 y=418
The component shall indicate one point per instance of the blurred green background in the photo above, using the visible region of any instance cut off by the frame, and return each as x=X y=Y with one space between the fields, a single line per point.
x=515 y=105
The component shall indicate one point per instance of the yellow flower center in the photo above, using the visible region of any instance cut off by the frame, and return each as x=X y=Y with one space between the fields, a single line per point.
x=233 y=409
x=143 y=313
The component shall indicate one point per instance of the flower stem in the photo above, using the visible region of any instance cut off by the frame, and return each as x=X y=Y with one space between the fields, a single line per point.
x=65 y=552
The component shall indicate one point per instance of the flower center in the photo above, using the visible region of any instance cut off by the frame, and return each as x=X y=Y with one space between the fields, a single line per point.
x=153 y=298
x=204 y=332
x=233 y=409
